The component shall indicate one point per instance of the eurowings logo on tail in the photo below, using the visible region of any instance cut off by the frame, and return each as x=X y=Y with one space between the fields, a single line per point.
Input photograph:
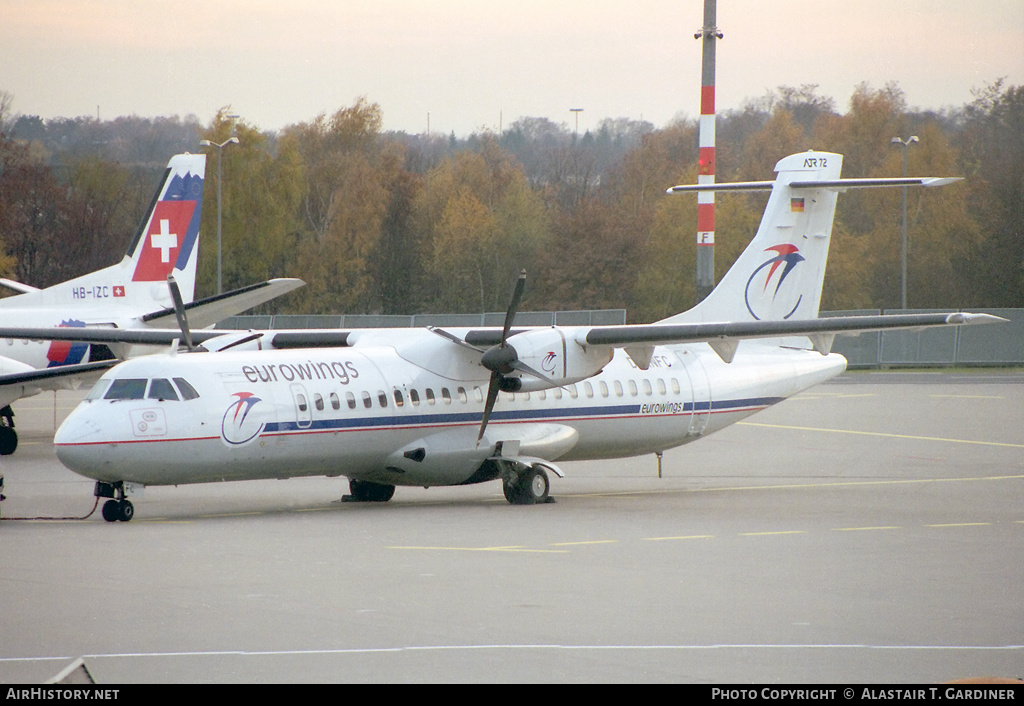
x=759 y=303
x=236 y=428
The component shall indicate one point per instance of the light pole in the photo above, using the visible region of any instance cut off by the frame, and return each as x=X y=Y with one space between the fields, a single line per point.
x=577 y=133
x=207 y=143
x=903 y=278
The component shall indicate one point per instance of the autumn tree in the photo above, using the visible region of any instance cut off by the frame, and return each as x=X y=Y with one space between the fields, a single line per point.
x=260 y=197
x=32 y=215
x=343 y=208
x=483 y=224
x=992 y=155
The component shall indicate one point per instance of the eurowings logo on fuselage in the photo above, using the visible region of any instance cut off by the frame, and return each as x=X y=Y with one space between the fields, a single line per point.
x=550 y=363
x=760 y=303
x=237 y=428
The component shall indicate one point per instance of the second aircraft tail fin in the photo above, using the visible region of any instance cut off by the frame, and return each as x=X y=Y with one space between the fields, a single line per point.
x=779 y=275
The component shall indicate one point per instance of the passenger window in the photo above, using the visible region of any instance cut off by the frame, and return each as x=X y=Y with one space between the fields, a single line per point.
x=351 y=400
x=382 y=397
x=430 y=396
x=588 y=389
x=300 y=399
x=462 y=394
x=648 y=390
x=187 y=391
x=414 y=397
x=318 y=400
x=572 y=391
x=367 y=400
x=446 y=395
x=661 y=387
x=604 y=388
x=161 y=389
x=618 y=388
x=130 y=389
x=336 y=403
x=675 y=386
x=398 y=398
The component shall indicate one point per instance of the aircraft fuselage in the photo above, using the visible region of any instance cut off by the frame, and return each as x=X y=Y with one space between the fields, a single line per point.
x=368 y=412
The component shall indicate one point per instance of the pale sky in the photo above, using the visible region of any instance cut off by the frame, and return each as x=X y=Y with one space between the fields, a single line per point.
x=473 y=64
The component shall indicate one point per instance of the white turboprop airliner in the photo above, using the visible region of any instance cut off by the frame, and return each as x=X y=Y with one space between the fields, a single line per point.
x=430 y=407
x=131 y=294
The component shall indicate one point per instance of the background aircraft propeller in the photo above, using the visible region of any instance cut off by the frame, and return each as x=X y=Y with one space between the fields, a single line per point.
x=179 y=312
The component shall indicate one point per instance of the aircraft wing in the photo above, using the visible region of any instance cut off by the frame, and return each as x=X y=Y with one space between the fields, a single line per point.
x=289 y=338
x=17 y=286
x=723 y=337
x=686 y=333
x=12 y=385
x=208 y=311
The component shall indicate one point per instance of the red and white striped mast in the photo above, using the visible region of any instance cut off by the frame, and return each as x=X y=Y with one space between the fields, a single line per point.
x=706 y=154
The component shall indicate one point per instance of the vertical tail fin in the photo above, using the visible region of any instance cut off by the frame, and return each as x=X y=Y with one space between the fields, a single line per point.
x=780 y=274
x=167 y=241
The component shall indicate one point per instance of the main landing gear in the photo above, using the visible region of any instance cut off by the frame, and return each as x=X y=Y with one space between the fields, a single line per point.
x=118 y=508
x=364 y=491
x=526 y=485
x=8 y=437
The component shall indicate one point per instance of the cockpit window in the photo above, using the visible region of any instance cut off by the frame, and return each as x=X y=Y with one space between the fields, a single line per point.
x=187 y=391
x=161 y=389
x=96 y=393
x=127 y=389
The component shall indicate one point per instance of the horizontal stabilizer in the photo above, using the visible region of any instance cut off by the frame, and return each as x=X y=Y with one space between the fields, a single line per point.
x=208 y=311
x=837 y=184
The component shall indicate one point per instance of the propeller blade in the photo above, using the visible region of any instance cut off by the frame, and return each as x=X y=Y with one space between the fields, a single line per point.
x=493 y=388
x=179 y=312
x=513 y=307
x=501 y=359
x=524 y=368
x=453 y=338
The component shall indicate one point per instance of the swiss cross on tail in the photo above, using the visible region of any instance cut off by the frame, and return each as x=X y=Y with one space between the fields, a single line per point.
x=166 y=239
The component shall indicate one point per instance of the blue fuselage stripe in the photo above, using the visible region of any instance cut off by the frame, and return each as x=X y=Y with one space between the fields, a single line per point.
x=526 y=415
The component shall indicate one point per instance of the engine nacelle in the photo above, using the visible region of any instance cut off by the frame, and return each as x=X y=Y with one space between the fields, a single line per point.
x=558 y=356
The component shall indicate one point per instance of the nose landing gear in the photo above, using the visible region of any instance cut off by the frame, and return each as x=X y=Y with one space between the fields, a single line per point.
x=118 y=508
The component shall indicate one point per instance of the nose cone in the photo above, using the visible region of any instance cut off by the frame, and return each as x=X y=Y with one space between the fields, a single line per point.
x=78 y=443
